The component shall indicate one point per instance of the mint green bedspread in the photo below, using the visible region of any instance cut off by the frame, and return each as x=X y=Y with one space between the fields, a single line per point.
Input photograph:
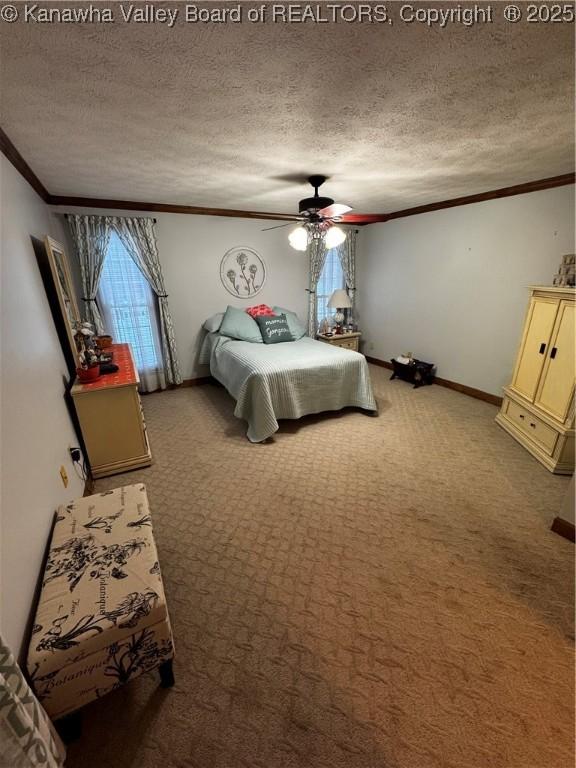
x=286 y=381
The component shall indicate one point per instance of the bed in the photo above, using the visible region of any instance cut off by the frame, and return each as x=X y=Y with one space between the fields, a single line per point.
x=286 y=381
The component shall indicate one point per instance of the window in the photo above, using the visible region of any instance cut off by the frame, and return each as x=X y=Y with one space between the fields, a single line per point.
x=129 y=310
x=331 y=279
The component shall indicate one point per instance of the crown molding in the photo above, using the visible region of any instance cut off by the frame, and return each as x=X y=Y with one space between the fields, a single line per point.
x=494 y=194
x=14 y=156
x=9 y=150
x=128 y=205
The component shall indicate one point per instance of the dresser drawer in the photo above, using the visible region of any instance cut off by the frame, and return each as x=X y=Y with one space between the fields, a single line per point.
x=533 y=427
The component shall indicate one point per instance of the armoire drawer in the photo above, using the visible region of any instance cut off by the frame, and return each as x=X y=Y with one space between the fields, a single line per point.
x=532 y=426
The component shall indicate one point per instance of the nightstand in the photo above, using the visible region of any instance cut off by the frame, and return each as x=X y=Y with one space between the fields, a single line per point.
x=345 y=340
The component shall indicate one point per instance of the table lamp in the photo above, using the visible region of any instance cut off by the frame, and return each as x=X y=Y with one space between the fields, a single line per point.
x=339 y=301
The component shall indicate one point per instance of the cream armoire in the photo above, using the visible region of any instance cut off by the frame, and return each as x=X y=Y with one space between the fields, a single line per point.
x=538 y=405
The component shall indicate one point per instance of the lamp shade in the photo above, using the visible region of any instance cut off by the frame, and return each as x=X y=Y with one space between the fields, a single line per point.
x=339 y=300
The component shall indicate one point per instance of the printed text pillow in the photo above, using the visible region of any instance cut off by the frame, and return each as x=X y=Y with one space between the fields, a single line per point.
x=274 y=329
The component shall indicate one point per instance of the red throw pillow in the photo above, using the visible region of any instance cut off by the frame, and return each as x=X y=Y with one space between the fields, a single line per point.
x=260 y=309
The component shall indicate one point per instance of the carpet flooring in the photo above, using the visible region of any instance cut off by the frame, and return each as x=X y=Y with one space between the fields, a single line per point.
x=358 y=593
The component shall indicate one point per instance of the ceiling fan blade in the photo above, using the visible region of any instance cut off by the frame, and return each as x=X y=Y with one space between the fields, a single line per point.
x=363 y=218
x=278 y=226
x=336 y=209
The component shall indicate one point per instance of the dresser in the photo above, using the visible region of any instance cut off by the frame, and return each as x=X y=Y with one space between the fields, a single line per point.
x=345 y=340
x=538 y=405
x=111 y=418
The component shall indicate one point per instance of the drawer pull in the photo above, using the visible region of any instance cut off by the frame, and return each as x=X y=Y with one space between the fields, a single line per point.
x=522 y=416
x=553 y=353
x=533 y=425
x=542 y=348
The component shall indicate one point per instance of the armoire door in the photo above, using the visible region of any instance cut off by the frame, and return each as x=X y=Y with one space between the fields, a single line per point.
x=535 y=346
x=557 y=381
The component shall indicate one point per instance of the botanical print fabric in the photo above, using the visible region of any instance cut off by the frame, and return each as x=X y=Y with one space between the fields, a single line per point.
x=91 y=235
x=102 y=616
x=27 y=738
x=137 y=235
x=317 y=256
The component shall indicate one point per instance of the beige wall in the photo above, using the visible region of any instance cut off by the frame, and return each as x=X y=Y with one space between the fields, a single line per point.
x=450 y=286
x=35 y=427
x=191 y=248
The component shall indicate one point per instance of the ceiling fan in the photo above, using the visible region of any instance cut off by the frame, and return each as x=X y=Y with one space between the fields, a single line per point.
x=318 y=216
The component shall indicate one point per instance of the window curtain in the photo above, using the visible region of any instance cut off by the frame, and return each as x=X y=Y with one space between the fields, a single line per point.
x=137 y=236
x=317 y=256
x=91 y=236
x=27 y=737
x=347 y=253
x=130 y=312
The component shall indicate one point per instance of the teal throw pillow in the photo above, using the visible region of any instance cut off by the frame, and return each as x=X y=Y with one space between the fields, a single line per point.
x=238 y=325
x=296 y=328
x=212 y=325
x=274 y=329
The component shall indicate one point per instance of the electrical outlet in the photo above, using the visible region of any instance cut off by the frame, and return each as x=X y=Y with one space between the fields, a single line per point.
x=75 y=454
x=64 y=476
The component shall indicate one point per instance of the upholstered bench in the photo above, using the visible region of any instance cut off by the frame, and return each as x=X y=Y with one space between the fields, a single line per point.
x=101 y=619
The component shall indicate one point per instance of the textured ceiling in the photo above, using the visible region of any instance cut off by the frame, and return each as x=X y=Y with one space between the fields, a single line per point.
x=224 y=115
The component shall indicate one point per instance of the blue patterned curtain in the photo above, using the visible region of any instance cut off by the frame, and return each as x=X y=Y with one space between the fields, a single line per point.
x=317 y=256
x=347 y=253
x=91 y=235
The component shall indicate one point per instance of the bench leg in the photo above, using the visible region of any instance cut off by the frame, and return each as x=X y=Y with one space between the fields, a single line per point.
x=166 y=674
x=69 y=727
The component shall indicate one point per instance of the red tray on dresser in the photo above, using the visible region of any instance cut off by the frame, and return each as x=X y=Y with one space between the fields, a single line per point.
x=124 y=376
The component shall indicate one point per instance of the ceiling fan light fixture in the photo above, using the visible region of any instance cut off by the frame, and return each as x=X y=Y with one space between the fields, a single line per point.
x=298 y=239
x=334 y=236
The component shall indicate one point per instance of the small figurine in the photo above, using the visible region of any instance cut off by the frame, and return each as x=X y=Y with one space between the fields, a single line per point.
x=88 y=368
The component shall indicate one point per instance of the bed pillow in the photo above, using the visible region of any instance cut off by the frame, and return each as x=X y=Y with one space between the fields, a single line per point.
x=238 y=325
x=260 y=309
x=296 y=328
x=212 y=325
x=274 y=329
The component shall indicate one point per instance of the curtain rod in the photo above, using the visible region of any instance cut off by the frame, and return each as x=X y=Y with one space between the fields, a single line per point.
x=67 y=213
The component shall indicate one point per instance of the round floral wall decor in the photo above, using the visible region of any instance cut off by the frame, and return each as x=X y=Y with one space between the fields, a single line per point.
x=242 y=271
